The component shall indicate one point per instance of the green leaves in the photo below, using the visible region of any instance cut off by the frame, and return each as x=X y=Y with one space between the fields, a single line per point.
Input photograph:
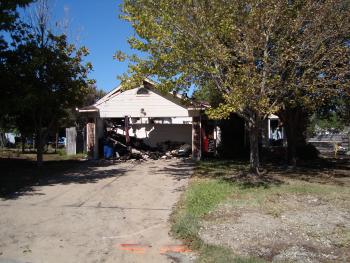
x=256 y=53
x=120 y=56
x=44 y=76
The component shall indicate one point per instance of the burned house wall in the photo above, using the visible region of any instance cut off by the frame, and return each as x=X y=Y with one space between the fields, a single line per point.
x=163 y=117
x=210 y=137
x=153 y=134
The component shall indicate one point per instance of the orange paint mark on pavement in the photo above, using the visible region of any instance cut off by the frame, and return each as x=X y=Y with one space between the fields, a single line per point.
x=174 y=248
x=134 y=248
x=141 y=249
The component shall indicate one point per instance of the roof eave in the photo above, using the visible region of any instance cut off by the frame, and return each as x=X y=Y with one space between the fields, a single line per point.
x=90 y=110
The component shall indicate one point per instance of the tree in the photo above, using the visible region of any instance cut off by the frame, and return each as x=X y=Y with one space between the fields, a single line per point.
x=9 y=15
x=9 y=22
x=73 y=117
x=209 y=44
x=46 y=77
x=313 y=61
x=242 y=50
x=331 y=117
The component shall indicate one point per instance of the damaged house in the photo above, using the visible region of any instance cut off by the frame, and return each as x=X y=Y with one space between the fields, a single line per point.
x=148 y=115
x=153 y=119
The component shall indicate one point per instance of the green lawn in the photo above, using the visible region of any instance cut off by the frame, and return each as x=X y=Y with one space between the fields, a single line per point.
x=59 y=155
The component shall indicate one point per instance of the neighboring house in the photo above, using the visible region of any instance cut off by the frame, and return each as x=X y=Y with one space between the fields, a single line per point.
x=151 y=115
x=332 y=142
x=11 y=138
x=7 y=139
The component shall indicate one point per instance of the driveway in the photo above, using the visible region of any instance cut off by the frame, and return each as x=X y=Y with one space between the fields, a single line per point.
x=114 y=213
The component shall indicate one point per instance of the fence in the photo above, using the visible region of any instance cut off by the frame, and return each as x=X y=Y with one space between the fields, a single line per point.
x=331 y=143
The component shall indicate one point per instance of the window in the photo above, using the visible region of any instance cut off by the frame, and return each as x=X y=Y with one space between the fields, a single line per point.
x=276 y=133
x=142 y=91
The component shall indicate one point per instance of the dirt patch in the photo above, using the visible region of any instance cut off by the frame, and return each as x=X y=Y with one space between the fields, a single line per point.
x=321 y=171
x=301 y=228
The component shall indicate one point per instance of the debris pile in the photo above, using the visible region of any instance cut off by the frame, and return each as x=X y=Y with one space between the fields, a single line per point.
x=137 y=149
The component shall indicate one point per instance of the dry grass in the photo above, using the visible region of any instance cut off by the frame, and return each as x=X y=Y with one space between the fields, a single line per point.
x=31 y=155
x=289 y=215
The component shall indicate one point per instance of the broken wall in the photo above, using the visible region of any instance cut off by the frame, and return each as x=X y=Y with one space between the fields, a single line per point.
x=152 y=134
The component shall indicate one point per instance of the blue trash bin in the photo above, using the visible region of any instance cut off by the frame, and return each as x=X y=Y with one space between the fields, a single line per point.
x=107 y=151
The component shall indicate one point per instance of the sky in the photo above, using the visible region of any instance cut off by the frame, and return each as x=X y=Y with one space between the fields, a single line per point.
x=95 y=24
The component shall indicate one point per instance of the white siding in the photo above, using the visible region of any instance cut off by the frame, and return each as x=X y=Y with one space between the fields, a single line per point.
x=128 y=103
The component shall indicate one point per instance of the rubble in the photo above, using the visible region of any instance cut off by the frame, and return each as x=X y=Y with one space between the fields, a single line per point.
x=138 y=150
x=184 y=150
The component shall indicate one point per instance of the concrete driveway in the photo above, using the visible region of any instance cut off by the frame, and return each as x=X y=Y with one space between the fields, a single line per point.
x=114 y=213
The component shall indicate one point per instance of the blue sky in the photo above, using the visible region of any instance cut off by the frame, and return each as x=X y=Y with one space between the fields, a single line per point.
x=95 y=24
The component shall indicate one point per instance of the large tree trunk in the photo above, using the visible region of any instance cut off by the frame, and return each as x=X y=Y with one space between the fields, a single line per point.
x=291 y=143
x=23 y=142
x=254 y=148
x=56 y=142
x=254 y=130
x=295 y=123
x=2 y=140
x=34 y=142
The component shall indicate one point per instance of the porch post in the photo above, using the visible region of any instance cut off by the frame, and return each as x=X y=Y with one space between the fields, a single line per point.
x=98 y=135
x=90 y=139
x=94 y=132
x=196 y=138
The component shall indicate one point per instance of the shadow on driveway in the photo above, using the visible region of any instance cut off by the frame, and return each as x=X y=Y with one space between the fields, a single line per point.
x=19 y=177
x=178 y=171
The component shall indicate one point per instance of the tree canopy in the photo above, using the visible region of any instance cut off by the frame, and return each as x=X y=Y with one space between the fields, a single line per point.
x=9 y=14
x=44 y=75
x=260 y=56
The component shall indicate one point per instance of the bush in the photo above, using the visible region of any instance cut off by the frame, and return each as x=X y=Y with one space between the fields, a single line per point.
x=61 y=152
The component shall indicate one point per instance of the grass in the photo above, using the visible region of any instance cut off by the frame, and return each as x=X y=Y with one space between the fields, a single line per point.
x=213 y=183
x=201 y=198
x=60 y=155
x=217 y=254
